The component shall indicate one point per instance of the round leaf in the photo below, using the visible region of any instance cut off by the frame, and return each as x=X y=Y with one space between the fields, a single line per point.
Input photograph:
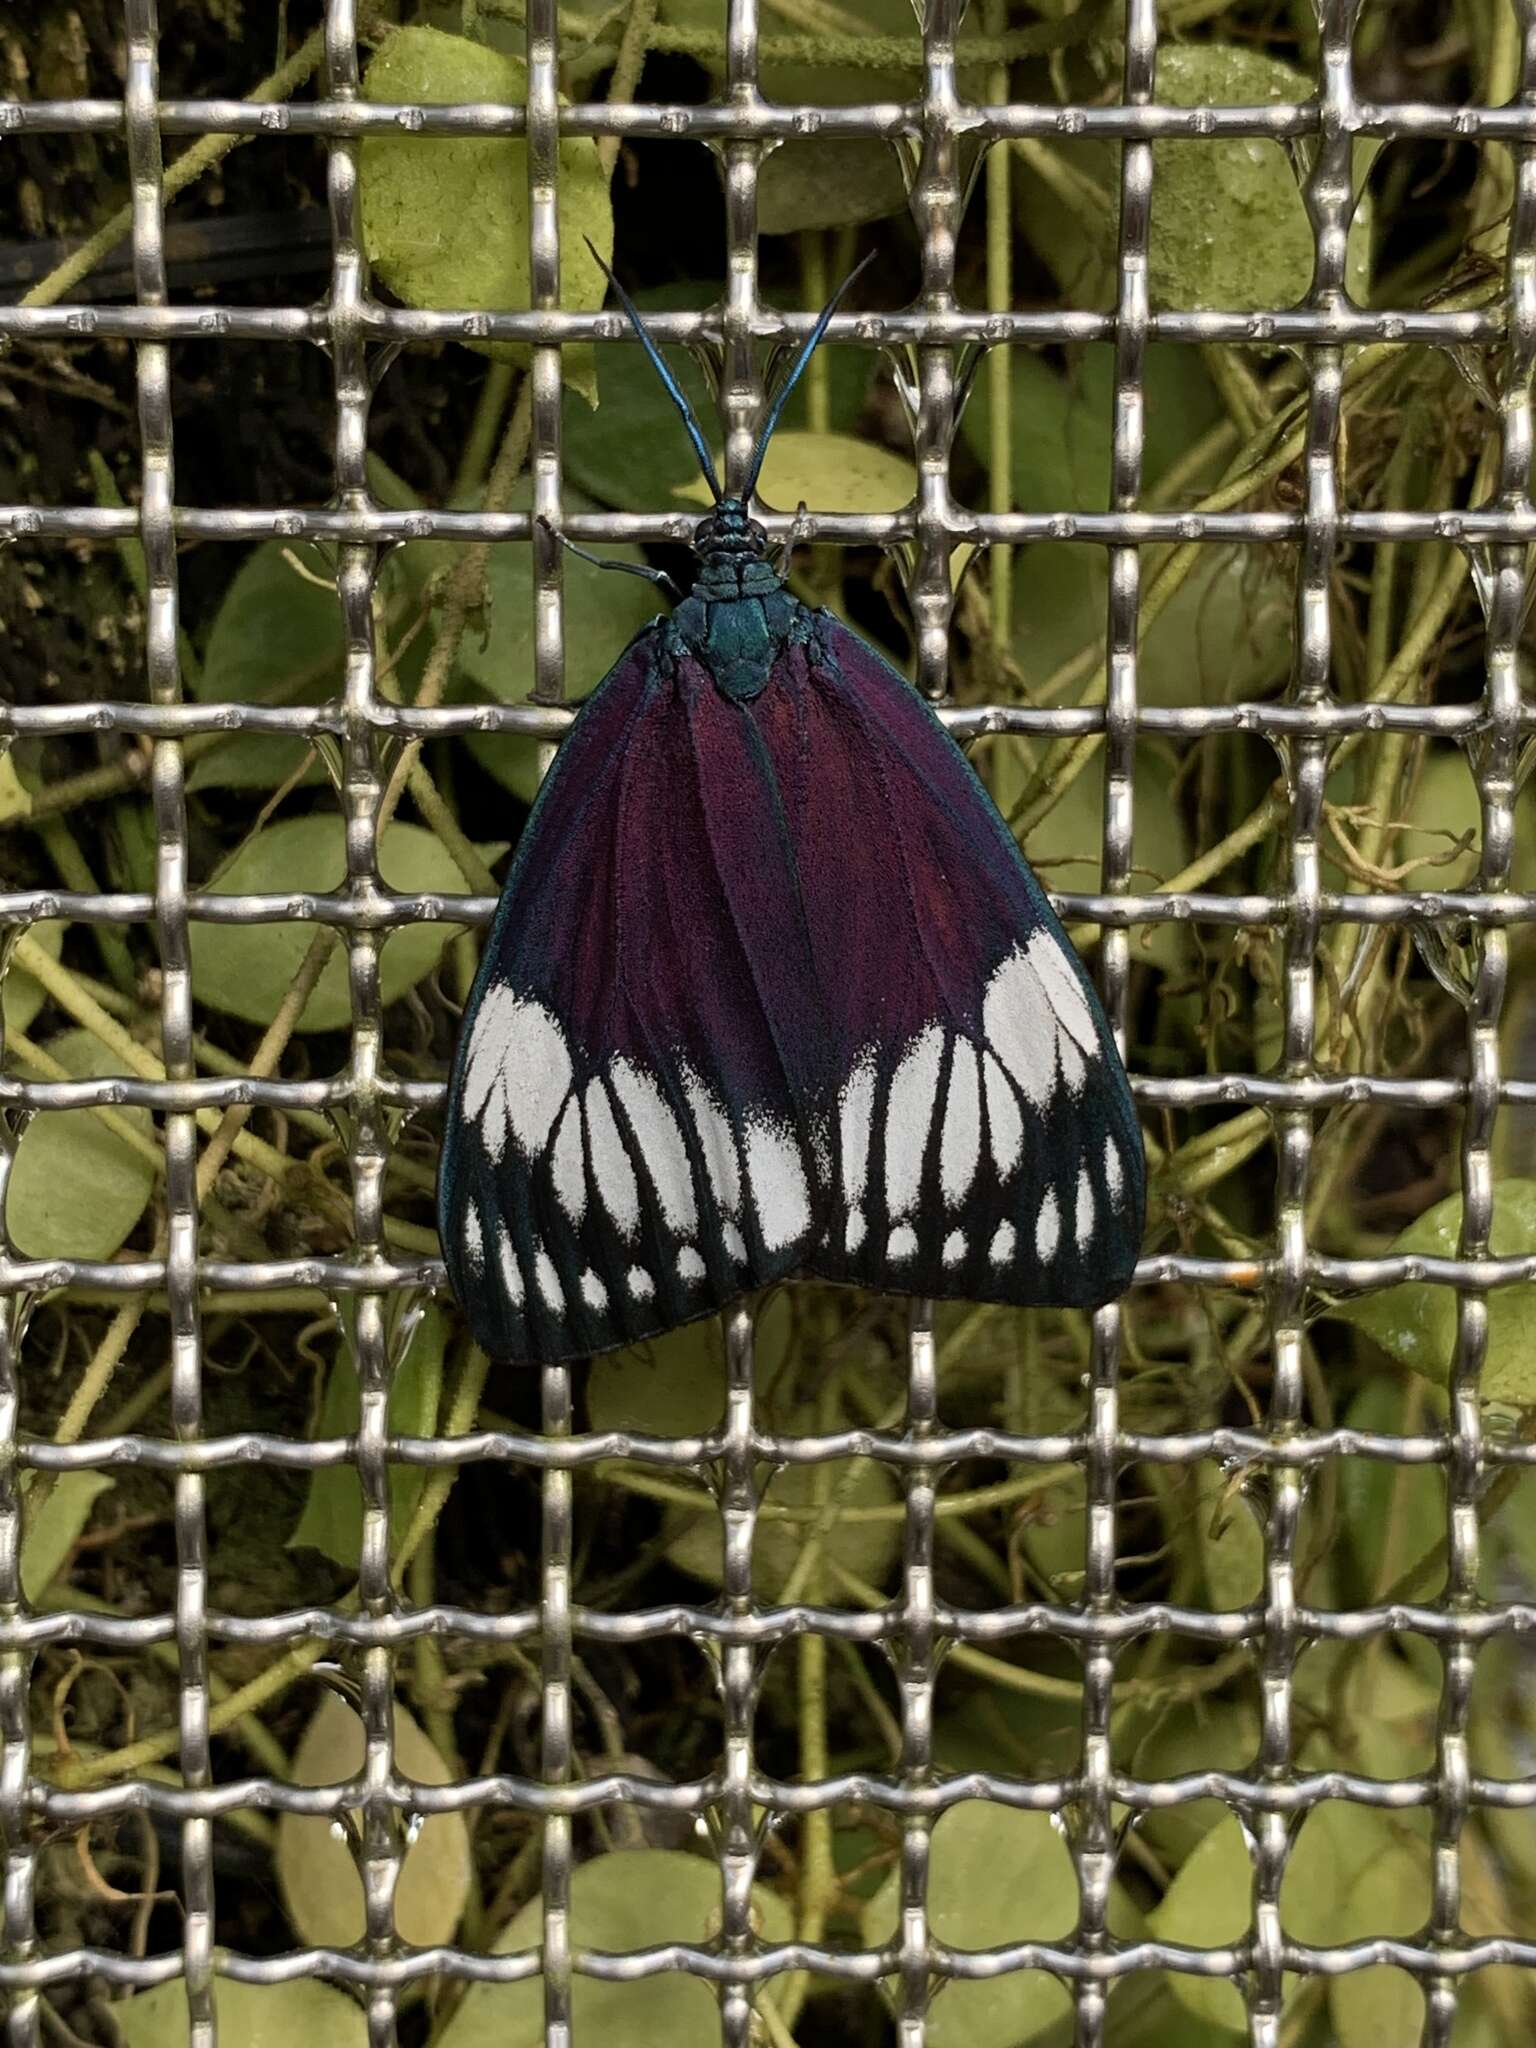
x=1229 y=229
x=1208 y=1906
x=247 y=970
x=813 y=182
x=1415 y=1323
x=996 y=1876
x=23 y=997
x=49 y=1537
x=249 y=2016
x=321 y=1886
x=77 y=1188
x=276 y=639
x=675 y=1384
x=626 y=1900
x=445 y=218
x=332 y=1520
x=828 y=473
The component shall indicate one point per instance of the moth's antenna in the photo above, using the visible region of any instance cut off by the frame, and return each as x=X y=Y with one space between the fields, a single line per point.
x=673 y=388
x=781 y=396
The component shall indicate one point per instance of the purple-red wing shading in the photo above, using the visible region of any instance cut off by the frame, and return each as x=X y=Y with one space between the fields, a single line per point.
x=755 y=895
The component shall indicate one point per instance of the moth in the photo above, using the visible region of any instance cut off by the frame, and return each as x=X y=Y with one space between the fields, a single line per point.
x=771 y=990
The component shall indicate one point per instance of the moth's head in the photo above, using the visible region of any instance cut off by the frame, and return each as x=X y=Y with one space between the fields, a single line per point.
x=731 y=530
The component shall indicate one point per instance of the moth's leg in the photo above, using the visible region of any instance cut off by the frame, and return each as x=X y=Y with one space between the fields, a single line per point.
x=800 y=531
x=629 y=568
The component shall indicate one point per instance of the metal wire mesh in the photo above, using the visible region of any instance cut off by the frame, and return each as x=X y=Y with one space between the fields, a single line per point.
x=1092 y=1797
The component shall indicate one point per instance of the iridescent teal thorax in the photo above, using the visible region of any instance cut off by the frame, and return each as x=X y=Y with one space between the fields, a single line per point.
x=738 y=618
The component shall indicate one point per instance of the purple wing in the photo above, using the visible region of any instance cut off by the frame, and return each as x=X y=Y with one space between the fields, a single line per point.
x=771 y=989
x=627 y=1144
x=984 y=1138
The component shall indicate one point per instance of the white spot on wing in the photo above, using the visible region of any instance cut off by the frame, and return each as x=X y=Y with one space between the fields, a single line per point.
x=856 y=1107
x=909 y=1111
x=954 y=1248
x=1000 y=1251
x=853 y=1234
x=1064 y=992
x=1004 y=1123
x=1017 y=1018
x=638 y=1282
x=777 y=1178
x=548 y=1282
x=506 y=1260
x=690 y=1266
x=1047 y=1229
x=567 y=1164
x=487 y=1049
x=1084 y=1209
x=593 y=1292
x=734 y=1243
x=960 y=1152
x=474 y=1242
x=717 y=1141
x=611 y=1170
x=660 y=1142
x=902 y=1242
x=518 y=1075
x=1114 y=1176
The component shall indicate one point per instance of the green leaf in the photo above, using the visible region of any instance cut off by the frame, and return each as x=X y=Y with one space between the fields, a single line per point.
x=1191 y=1735
x=1229 y=228
x=247 y=970
x=828 y=472
x=1415 y=1323
x=445 y=218
x=321 y=1887
x=249 y=2016
x=276 y=639
x=332 y=1520
x=651 y=459
x=1393 y=1515
x=77 y=1188
x=15 y=797
x=675 y=1384
x=23 y=997
x=817 y=182
x=996 y=1876
x=1357 y=1872
x=626 y=1900
x=49 y=1537
x=1208 y=1905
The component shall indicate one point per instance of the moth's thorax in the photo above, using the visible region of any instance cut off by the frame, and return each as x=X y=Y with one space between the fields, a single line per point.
x=738 y=618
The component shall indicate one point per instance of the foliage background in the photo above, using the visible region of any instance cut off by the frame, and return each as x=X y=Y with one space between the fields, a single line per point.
x=446 y=225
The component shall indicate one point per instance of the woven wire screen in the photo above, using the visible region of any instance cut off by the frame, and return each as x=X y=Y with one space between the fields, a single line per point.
x=1283 y=1450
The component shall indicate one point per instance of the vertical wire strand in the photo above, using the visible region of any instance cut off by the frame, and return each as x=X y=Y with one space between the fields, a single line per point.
x=936 y=202
x=1494 y=754
x=163 y=675
x=1095 y=1846
x=1329 y=199
x=382 y=1846
x=738 y=1824
x=555 y=1735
